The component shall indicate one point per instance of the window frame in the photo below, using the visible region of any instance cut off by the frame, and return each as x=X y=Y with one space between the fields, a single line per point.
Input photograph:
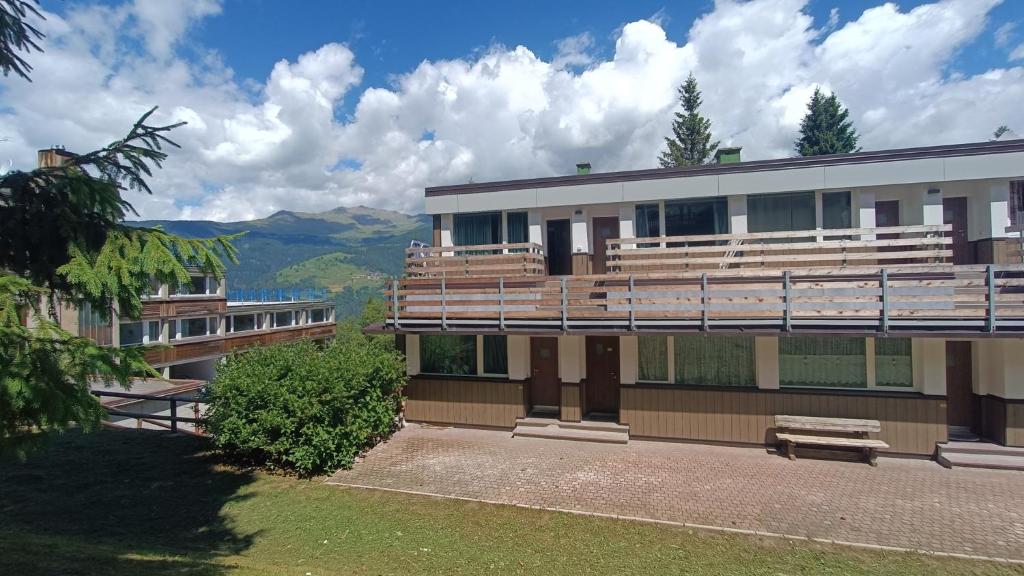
x=478 y=351
x=143 y=327
x=671 y=365
x=210 y=321
x=871 y=371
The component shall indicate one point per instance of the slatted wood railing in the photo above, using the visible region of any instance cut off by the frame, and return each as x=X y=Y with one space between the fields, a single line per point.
x=522 y=259
x=943 y=297
x=902 y=245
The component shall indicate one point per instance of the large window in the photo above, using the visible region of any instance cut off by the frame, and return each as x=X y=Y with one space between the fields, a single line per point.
x=195 y=327
x=893 y=365
x=476 y=229
x=317 y=315
x=244 y=322
x=282 y=319
x=196 y=286
x=780 y=212
x=495 y=355
x=822 y=361
x=131 y=334
x=653 y=358
x=154 y=331
x=455 y=355
x=518 y=227
x=696 y=217
x=647 y=222
x=714 y=360
x=835 y=211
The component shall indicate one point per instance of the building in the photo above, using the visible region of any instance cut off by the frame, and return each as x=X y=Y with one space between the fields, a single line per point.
x=694 y=304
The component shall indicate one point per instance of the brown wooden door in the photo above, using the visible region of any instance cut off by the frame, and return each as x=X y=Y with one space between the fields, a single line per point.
x=602 y=394
x=544 y=385
x=605 y=228
x=954 y=211
x=959 y=396
x=558 y=248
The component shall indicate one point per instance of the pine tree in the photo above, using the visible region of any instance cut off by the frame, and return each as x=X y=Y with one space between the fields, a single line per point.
x=691 y=143
x=826 y=129
x=64 y=243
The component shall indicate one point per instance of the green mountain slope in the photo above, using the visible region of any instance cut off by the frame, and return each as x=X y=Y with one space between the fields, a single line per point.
x=350 y=251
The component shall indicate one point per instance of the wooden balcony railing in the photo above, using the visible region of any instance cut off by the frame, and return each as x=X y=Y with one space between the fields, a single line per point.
x=523 y=259
x=937 y=297
x=903 y=245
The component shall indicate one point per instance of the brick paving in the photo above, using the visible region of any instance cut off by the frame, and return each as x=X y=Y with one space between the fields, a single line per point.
x=913 y=504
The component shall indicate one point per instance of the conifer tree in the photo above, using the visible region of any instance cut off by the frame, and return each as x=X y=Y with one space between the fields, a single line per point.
x=64 y=244
x=826 y=128
x=690 y=144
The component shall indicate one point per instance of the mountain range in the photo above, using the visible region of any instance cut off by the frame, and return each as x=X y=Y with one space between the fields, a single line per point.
x=349 y=251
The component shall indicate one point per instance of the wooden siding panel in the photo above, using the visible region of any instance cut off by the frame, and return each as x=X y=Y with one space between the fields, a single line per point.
x=464 y=401
x=1015 y=423
x=571 y=407
x=912 y=424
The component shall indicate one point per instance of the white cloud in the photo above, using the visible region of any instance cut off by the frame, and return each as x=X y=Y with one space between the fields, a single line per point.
x=504 y=113
x=1005 y=33
x=1017 y=53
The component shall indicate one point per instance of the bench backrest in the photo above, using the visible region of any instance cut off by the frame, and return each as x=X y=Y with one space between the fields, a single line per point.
x=818 y=424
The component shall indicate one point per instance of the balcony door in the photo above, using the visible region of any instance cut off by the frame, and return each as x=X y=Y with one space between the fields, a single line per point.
x=954 y=211
x=605 y=228
x=559 y=248
x=602 y=388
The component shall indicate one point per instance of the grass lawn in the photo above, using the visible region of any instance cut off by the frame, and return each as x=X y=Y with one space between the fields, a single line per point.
x=126 y=502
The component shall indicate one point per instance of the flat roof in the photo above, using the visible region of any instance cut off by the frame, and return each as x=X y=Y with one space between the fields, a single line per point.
x=944 y=151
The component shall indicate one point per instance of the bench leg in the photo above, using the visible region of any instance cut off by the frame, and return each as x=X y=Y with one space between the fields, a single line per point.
x=791 y=450
x=871 y=457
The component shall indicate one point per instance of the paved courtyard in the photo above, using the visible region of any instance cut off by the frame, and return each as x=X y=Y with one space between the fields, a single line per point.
x=913 y=504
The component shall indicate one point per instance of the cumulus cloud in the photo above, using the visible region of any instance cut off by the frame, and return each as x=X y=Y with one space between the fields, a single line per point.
x=504 y=113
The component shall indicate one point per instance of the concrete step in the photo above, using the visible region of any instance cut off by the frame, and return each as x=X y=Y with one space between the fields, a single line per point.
x=991 y=461
x=597 y=425
x=979 y=448
x=585 y=431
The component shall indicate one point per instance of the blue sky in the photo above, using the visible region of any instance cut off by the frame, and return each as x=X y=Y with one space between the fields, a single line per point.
x=348 y=103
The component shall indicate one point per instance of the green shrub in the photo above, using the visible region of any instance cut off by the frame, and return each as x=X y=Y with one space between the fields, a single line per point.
x=305 y=409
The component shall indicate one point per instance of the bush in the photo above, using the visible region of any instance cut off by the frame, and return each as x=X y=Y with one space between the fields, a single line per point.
x=305 y=409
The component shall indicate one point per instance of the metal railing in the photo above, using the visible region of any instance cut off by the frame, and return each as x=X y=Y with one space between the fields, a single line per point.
x=173 y=401
x=276 y=294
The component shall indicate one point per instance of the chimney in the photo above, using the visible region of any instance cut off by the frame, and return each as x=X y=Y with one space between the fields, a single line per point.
x=53 y=157
x=729 y=155
x=583 y=168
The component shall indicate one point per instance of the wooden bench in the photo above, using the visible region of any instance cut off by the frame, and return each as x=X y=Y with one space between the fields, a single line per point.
x=836 y=432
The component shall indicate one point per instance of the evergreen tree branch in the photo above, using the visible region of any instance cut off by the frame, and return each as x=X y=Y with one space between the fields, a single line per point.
x=17 y=35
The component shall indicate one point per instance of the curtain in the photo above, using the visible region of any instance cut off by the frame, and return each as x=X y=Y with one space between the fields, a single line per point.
x=647 y=223
x=715 y=360
x=653 y=358
x=780 y=212
x=826 y=361
x=454 y=355
x=893 y=365
x=495 y=355
x=476 y=229
x=696 y=217
x=518 y=227
x=1016 y=201
x=835 y=210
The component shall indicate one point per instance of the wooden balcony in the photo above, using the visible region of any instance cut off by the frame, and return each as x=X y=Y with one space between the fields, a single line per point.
x=215 y=346
x=903 y=245
x=913 y=297
x=524 y=259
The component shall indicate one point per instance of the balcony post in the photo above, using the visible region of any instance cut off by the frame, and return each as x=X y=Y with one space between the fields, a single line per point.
x=632 y=311
x=704 y=301
x=885 y=300
x=565 y=306
x=990 y=283
x=174 y=415
x=444 y=308
x=787 y=313
x=501 y=303
x=394 y=300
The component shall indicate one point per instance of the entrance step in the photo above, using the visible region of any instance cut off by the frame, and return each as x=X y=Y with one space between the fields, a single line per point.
x=980 y=455
x=585 y=431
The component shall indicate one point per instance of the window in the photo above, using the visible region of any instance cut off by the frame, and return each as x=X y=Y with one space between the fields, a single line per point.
x=826 y=361
x=454 y=355
x=476 y=229
x=893 y=365
x=835 y=211
x=715 y=360
x=696 y=217
x=154 y=332
x=653 y=358
x=282 y=319
x=242 y=322
x=781 y=212
x=648 y=223
x=130 y=333
x=196 y=286
x=518 y=227
x=495 y=354
x=153 y=289
x=1016 y=204
x=194 y=327
x=318 y=315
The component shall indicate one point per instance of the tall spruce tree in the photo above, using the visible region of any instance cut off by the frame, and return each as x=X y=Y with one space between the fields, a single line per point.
x=64 y=244
x=826 y=128
x=690 y=144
